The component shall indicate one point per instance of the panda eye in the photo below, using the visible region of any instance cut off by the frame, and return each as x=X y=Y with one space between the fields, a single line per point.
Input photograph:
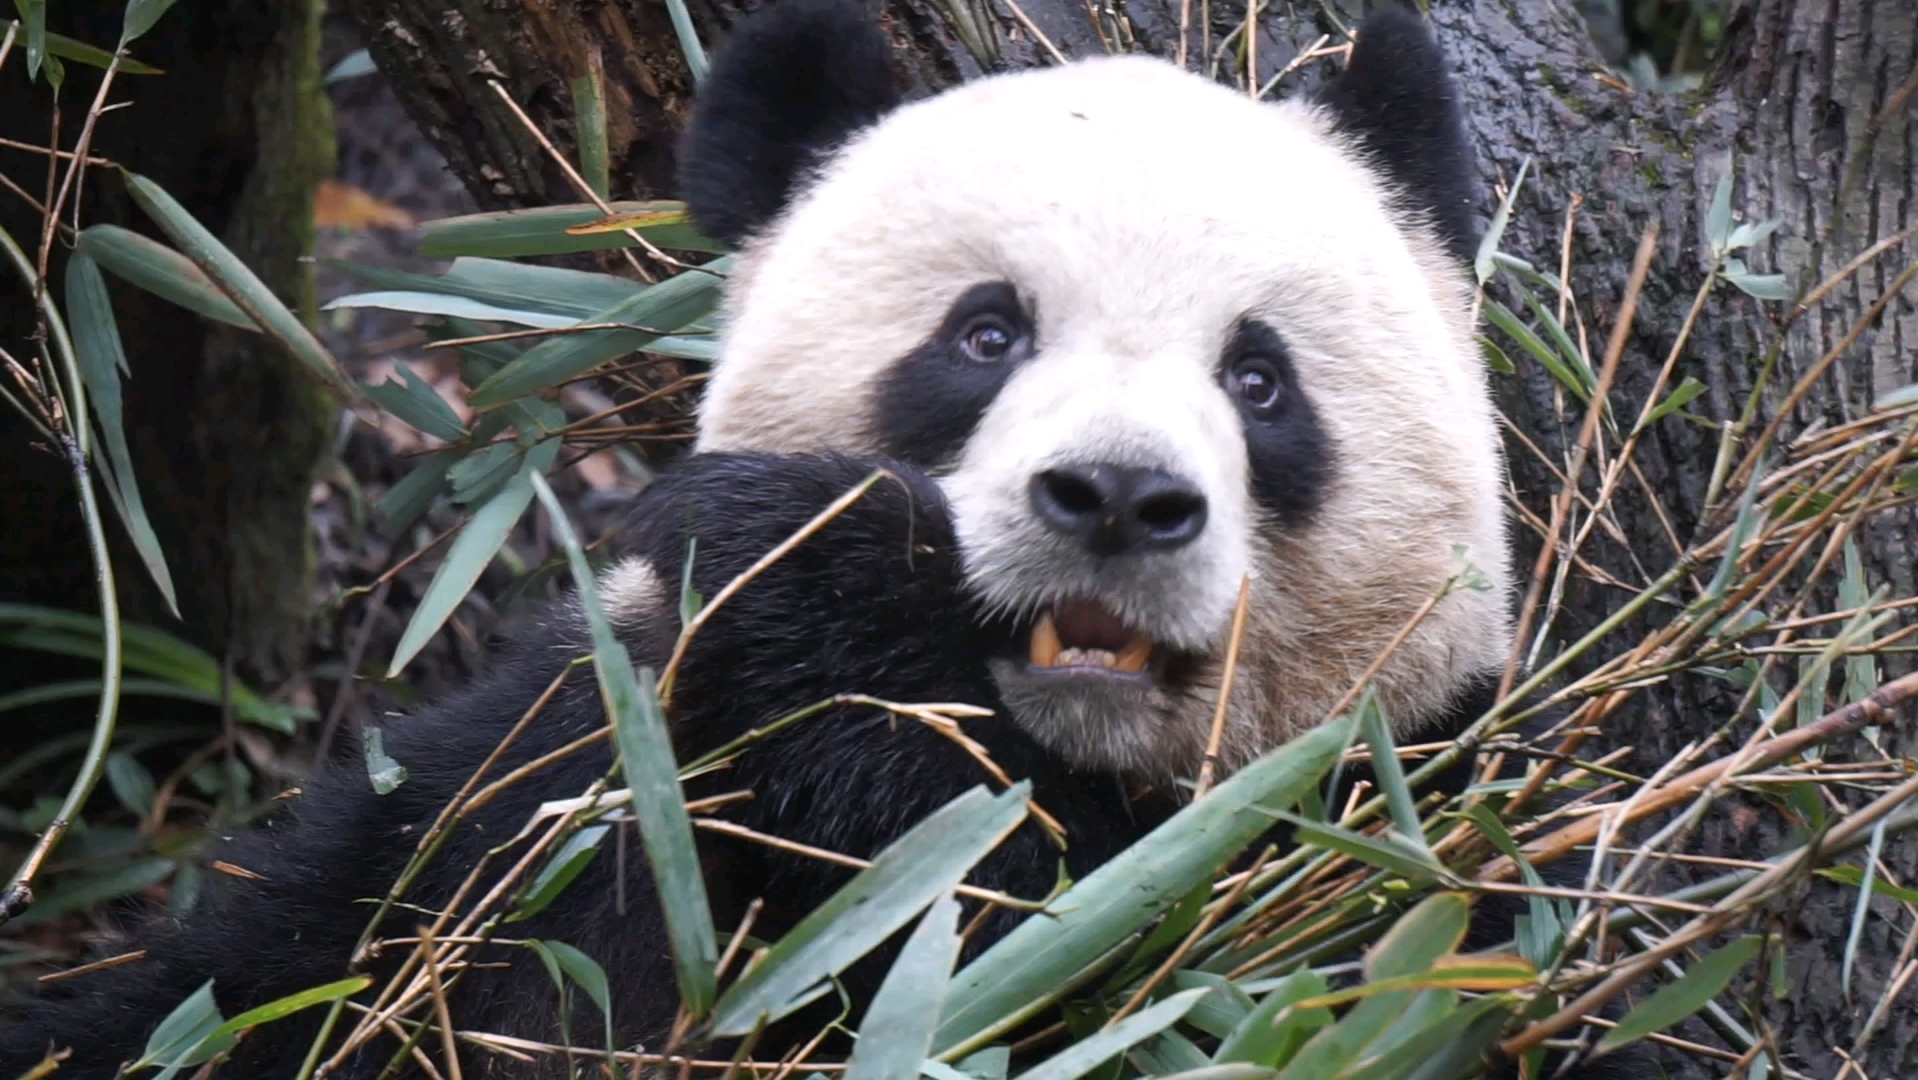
x=1255 y=381
x=988 y=340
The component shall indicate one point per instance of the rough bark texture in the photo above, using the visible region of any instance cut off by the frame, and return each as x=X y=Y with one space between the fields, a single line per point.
x=226 y=430
x=1811 y=112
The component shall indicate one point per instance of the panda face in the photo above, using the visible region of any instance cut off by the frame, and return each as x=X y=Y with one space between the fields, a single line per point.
x=1154 y=340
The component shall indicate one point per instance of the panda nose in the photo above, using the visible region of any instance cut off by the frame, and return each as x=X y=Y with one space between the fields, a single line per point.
x=1117 y=509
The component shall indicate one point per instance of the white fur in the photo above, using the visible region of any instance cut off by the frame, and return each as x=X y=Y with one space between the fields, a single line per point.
x=1142 y=212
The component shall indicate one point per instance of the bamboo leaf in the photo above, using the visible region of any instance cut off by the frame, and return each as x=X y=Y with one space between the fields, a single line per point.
x=897 y=1030
x=646 y=758
x=689 y=47
x=1399 y=858
x=132 y=784
x=141 y=17
x=160 y=270
x=385 y=773
x=233 y=277
x=1862 y=910
x=562 y=962
x=405 y=501
x=1390 y=774
x=67 y=48
x=1099 y=913
x=468 y=556
x=1855 y=877
x=1502 y=317
x=97 y=349
x=1718 y=219
x=1484 y=264
x=1680 y=396
x=543 y=231
x=932 y=857
x=1273 y=1032
x=33 y=14
x=183 y=1029
x=1479 y=973
x=223 y=1036
x=664 y=307
x=434 y=303
x=589 y=123
x=560 y=870
x=1679 y=1000
x=355 y=64
x=1088 y=1054
x=414 y=400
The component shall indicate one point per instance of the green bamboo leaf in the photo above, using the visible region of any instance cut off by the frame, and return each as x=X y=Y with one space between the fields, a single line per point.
x=240 y=284
x=1568 y=349
x=1225 y=1072
x=689 y=47
x=1896 y=399
x=542 y=231
x=132 y=784
x=438 y=303
x=646 y=759
x=405 y=501
x=1399 y=858
x=33 y=13
x=1502 y=317
x=908 y=875
x=382 y=770
x=561 y=868
x=1273 y=1031
x=1402 y=1053
x=1480 y=973
x=123 y=880
x=1542 y=931
x=1718 y=219
x=1749 y=233
x=195 y=1011
x=1855 y=877
x=1862 y=910
x=140 y=18
x=1087 y=1054
x=589 y=123
x=1220 y=1012
x=72 y=689
x=1390 y=774
x=144 y=649
x=160 y=270
x=67 y=48
x=1679 y=1000
x=664 y=307
x=1484 y=264
x=1756 y=286
x=471 y=551
x=1098 y=914
x=414 y=400
x=96 y=346
x=1680 y=397
x=564 y=962
x=897 y=1029
x=1414 y=944
x=511 y=286
x=190 y=1022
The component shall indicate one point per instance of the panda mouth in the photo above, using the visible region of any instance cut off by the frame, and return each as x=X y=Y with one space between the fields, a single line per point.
x=1080 y=635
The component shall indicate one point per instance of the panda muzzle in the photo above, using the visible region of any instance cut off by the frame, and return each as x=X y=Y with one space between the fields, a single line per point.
x=1081 y=634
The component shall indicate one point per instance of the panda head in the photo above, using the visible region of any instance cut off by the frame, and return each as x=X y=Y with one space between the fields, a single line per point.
x=1153 y=338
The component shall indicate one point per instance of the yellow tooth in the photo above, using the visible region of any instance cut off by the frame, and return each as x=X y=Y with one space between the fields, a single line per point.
x=1132 y=658
x=1045 y=642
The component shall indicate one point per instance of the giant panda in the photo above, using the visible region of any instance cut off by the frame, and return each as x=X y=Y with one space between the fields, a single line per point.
x=1117 y=339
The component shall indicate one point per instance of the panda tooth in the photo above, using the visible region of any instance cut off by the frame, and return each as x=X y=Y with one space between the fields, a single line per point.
x=1045 y=642
x=1132 y=658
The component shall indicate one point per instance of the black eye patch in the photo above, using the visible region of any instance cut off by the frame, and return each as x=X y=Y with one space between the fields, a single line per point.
x=927 y=405
x=1288 y=449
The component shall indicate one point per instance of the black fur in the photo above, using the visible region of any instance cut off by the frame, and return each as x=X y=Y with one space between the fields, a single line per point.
x=1397 y=100
x=1289 y=450
x=869 y=605
x=792 y=83
x=927 y=404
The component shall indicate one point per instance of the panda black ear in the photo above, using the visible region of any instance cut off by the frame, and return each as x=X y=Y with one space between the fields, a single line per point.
x=1398 y=102
x=794 y=82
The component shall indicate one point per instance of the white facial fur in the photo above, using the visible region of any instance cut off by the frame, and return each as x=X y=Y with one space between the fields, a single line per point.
x=1141 y=213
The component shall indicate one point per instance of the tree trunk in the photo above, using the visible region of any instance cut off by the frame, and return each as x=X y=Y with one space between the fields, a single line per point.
x=1810 y=112
x=227 y=431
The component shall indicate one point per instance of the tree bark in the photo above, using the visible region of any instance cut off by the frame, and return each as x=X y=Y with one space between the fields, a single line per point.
x=1810 y=111
x=227 y=431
